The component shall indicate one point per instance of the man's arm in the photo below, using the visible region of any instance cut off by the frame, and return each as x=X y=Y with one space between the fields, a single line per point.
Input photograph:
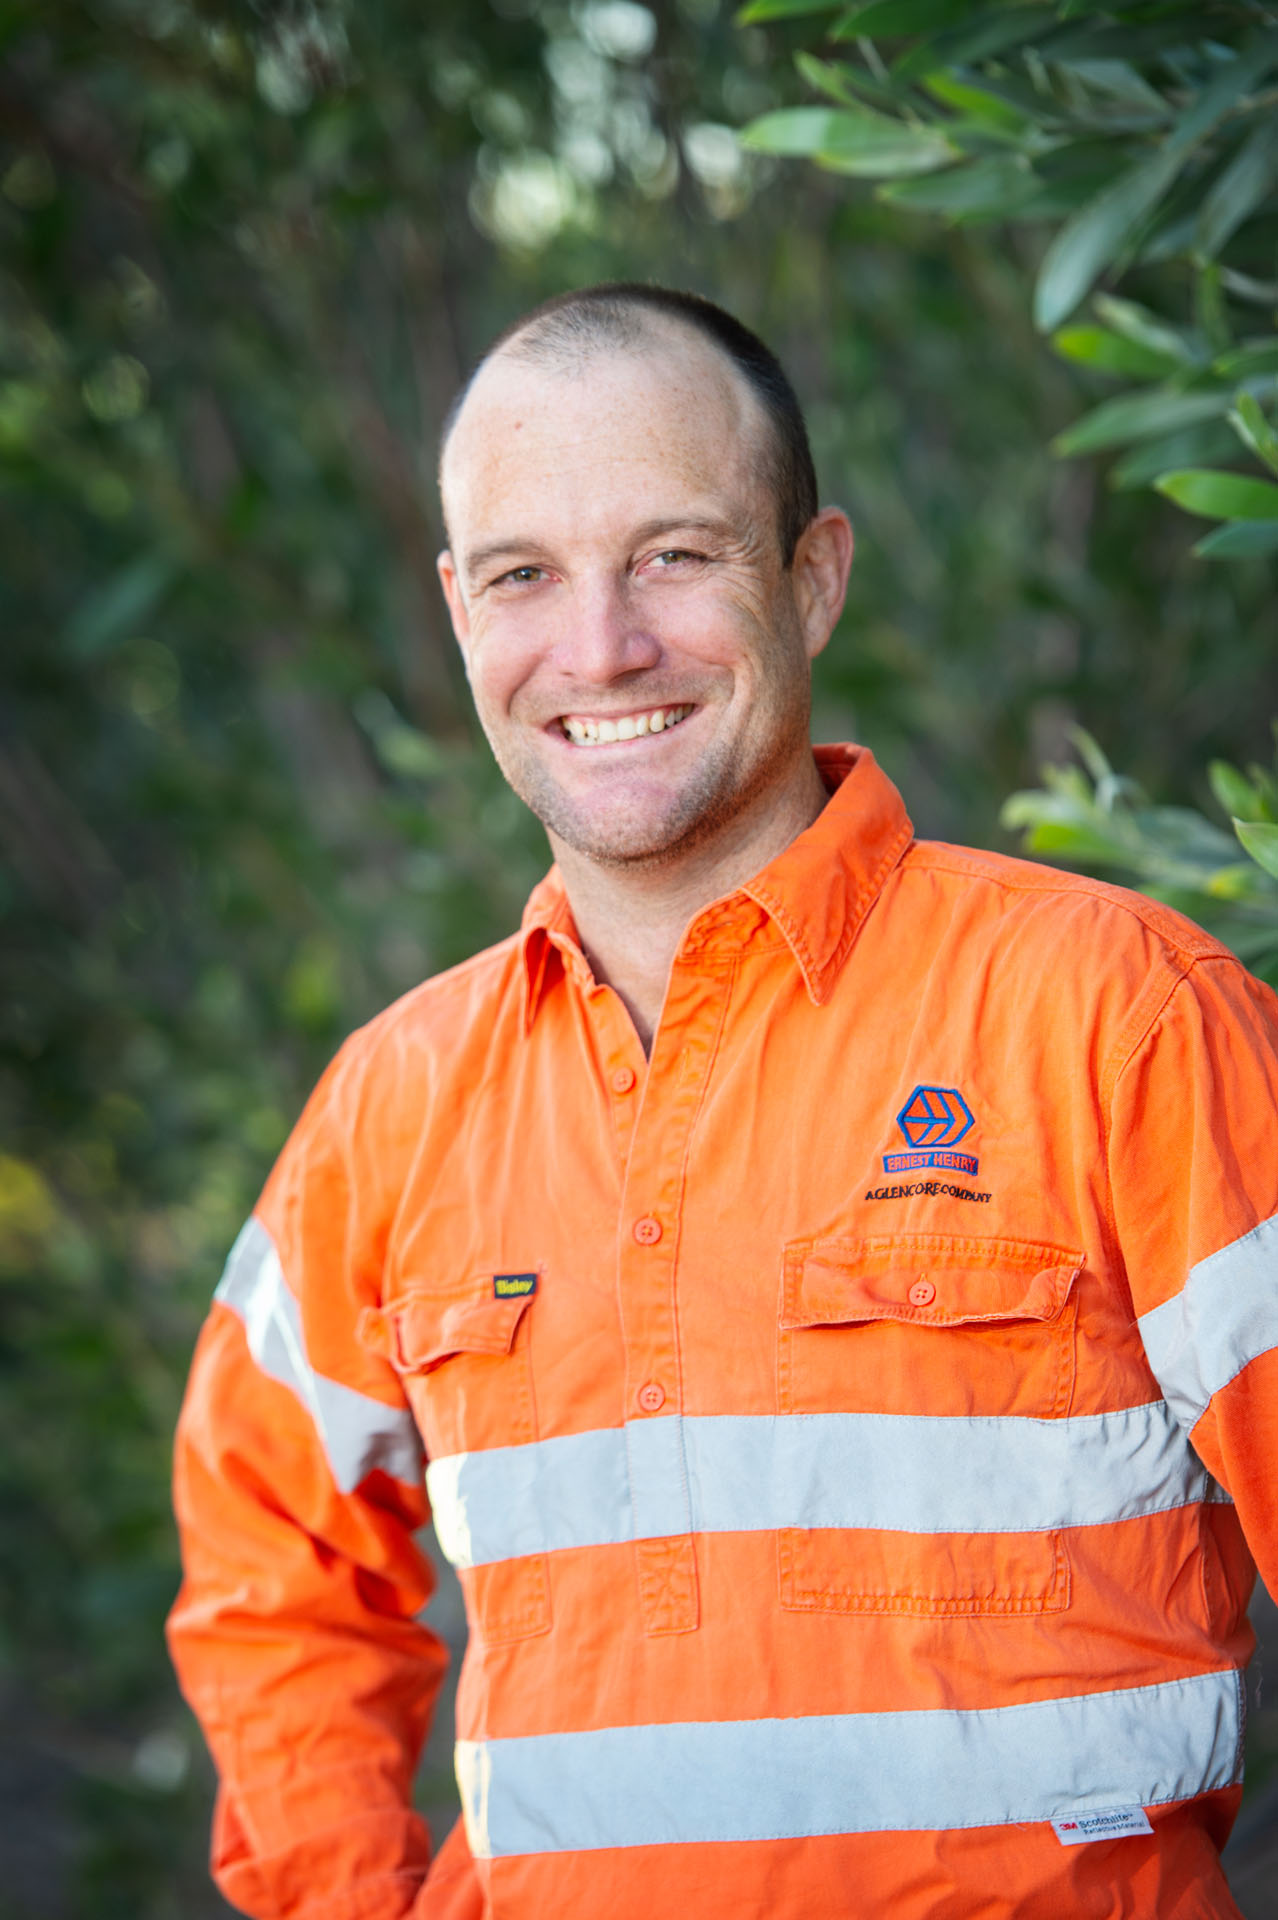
x=1194 y=1164
x=298 y=1491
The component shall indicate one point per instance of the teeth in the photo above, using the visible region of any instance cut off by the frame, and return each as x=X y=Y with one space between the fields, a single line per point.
x=590 y=733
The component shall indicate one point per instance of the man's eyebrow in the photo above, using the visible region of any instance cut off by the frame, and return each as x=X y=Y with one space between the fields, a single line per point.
x=479 y=559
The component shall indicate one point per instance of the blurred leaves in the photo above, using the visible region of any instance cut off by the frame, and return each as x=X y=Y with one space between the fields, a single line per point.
x=1140 y=142
x=246 y=255
x=1098 y=818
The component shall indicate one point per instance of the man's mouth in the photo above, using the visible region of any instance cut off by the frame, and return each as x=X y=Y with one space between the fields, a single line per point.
x=585 y=731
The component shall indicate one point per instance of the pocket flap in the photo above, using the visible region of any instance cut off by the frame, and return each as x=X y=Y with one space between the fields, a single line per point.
x=421 y=1330
x=938 y=1280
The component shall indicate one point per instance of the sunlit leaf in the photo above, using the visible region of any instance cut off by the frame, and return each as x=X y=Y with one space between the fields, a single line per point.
x=976 y=103
x=757 y=11
x=1220 y=496
x=1111 y=353
x=1234 y=791
x=1254 y=430
x=849 y=141
x=1260 y=840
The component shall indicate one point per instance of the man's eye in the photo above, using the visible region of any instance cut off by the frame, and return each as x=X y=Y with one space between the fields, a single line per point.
x=673 y=555
x=520 y=576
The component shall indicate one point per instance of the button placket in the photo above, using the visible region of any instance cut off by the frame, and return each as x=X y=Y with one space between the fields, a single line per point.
x=682 y=1057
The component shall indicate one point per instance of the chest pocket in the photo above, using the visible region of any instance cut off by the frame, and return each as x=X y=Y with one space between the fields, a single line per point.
x=464 y=1358
x=895 y=1338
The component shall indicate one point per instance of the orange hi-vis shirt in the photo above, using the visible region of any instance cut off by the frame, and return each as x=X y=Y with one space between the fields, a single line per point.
x=849 y=1425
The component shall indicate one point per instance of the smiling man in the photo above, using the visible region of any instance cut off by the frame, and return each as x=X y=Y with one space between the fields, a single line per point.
x=828 y=1279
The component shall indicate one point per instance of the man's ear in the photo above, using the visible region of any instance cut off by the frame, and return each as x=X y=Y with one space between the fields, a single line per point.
x=447 y=570
x=822 y=562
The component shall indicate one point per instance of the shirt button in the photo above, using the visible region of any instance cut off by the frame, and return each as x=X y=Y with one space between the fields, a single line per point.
x=647 y=1230
x=652 y=1397
x=623 y=1079
x=922 y=1293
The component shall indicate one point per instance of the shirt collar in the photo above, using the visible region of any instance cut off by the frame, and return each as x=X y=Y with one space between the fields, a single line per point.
x=818 y=892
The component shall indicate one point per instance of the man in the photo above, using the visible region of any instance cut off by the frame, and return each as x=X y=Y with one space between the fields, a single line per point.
x=831 y=1280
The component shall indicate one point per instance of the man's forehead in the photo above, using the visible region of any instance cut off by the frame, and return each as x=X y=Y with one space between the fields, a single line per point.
x=668 y=397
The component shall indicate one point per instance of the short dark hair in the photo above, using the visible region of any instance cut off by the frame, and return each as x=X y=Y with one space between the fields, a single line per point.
x=573 y=324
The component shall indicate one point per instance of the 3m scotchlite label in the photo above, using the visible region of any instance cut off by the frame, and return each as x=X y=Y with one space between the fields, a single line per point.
x=736 y=1780
x=1107 y=1823
x=1225 y=1316
x=357 y=1432
x=746 y=1473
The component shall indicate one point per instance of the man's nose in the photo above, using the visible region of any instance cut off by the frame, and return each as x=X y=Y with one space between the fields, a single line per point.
x=605 y=634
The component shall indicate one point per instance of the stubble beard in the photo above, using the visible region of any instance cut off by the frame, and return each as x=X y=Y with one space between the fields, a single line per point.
x=698 y=813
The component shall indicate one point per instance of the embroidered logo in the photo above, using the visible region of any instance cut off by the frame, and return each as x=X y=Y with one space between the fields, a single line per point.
x=513 y=1286
x=933 y=1120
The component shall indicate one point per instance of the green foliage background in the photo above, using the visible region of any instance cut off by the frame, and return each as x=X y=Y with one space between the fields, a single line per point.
x=246 y=253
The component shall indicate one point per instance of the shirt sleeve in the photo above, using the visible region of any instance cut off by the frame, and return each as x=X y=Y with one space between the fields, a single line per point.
x=298 y=1490
x=1194 y=1171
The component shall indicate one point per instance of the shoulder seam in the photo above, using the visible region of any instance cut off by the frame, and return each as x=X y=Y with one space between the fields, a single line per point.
x=1060 y=881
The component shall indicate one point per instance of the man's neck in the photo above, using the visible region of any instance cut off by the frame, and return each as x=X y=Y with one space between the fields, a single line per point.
x=630 y=919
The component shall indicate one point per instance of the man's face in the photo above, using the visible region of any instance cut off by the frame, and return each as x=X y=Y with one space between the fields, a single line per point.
x=637 y=652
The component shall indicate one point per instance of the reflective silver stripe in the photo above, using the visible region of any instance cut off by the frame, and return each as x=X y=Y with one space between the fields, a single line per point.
x=910 y=1473
x=357 y=1432
x=1226 y=1316
x=850 y=1773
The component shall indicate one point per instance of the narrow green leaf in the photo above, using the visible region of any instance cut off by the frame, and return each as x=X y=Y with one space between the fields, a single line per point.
x=797 y=131
x=1138 y=416
x=1224 y=90
x=1234 y=791
x=1092 y=754
x=1118 y=80
x=757 y=11
x=849 y=140
x=995 y=32
x=1261 y=356
x=1091 y=238
x=1260 y=840
x=995 y=186
x=1220 y=496
x=838 y=81
x=1250 y=424
x=891 y=17
x=977 y=103
x=1190 y=447
x=1244 y=286
x=110 y=611
x=1237 y=192
x=1098 y=347
x=1240 y=540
